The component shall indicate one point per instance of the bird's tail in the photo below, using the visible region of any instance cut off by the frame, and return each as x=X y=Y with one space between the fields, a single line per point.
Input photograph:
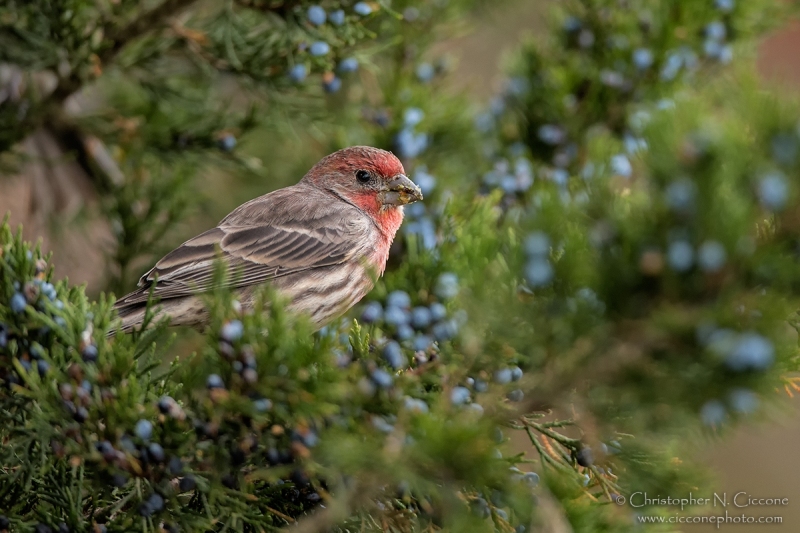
x=131 y=310
x=185 y=311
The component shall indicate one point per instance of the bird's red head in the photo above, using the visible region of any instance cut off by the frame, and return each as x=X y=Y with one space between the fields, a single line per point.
x=369 y=178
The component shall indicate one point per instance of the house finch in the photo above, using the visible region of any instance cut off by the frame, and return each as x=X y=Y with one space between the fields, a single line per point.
x=320 y=243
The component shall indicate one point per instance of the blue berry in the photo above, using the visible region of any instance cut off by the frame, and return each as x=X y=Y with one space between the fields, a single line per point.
x=316 y=15
x=551 y=134
x=227 y=142
x=232 y=331
x=410 y=144
x=621 y=165
x=539 y=272
x=319 y=48
x=643 y=58
x=712 y=48
x=438 y=311
x=459 y=395
x=537 y=244
x=18 y=302
x=425 y=72
x=3 y=337
x=262 y=405
x=716 y=30
x=413 y=116
x=421 y=317
x=426 y=182
x=503 y=376
x=332 y=85
x=362 y=8
x=215 y=382
x=42 y=367
x=337 y=17
x=725 y=54
x=446 y=286
x=404 y=332
x=445 y=330
x=784 y=148
x=398 y=299
x=380 y=423
x=422 y=343
x=298 y=73
x=395 y=316
x=481 y=508
x=393 y=354
x=372 y=312
x=516 y=395
x=49 y=291
x=773 y=191
x=531 y=478
x=751 y=352
x=726 y=6
x=713 y=413
x=711 y=256
x=743 y=401
x=680 y=195
x=680 y=256
x=672 y=66
x=382 y=378
x=348 y=64
x=143 y=429
x=415 y=405
x=475 y=408
x=516 y=373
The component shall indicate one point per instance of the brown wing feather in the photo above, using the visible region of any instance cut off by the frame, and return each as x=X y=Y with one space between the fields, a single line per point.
x=285 y=241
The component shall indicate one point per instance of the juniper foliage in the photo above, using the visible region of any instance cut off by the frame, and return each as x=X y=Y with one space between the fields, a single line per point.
x=603 y=270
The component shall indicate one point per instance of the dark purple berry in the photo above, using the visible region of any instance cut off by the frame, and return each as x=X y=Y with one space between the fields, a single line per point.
x=164 y=404
x=187 y=483
x=89 y=353
x=81 y=414
x=145 y=510
x=584 y=457
x=155 y=452
x=156 y=502
x=175 y=465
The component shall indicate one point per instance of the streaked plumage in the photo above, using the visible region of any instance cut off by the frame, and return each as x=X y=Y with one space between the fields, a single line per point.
x=320 y=242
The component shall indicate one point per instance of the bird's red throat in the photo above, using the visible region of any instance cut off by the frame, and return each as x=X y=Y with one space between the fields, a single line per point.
x=388 y=220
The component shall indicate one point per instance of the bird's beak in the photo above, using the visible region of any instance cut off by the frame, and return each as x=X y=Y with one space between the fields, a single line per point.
x=400 y=191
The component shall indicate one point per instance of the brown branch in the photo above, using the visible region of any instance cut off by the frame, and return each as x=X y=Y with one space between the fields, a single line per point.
x=136 y=28
x=142 y=25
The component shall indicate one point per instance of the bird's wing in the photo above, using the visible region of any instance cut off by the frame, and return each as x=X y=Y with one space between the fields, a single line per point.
x=281 y=244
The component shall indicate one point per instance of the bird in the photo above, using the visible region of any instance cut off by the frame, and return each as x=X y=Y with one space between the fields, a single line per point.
x=321 y=244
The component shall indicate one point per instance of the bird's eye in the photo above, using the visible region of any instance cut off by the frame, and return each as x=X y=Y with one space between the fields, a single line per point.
x=363 y=176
